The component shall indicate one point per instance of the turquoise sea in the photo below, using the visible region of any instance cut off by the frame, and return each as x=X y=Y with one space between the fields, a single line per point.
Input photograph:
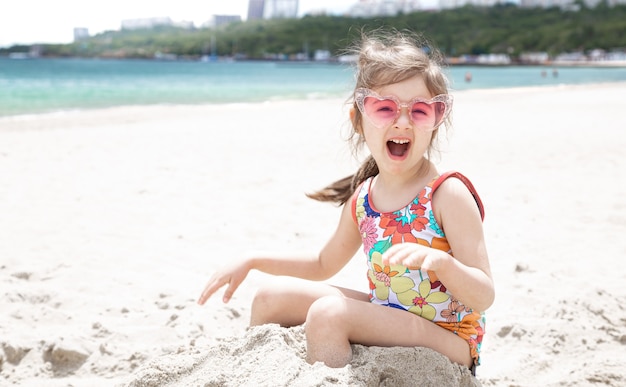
x=33 y=86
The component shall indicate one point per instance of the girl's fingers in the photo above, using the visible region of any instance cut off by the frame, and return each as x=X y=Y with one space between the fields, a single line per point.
x=204 y=296
x=414 y=256
x=401 y=253
x=228 y=294
x=391 y=255
x=232 y=277
x=210 y=288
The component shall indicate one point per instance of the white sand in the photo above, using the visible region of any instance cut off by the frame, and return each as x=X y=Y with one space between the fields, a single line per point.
x=112 y=221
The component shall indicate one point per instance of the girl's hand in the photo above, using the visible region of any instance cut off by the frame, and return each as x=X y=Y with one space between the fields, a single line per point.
x=415 y=256
x=232 y=275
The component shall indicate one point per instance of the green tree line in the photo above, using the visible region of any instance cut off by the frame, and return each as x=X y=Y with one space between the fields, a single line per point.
x=462 y=31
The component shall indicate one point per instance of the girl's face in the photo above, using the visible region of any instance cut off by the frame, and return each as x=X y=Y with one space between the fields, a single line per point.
x=400 y=146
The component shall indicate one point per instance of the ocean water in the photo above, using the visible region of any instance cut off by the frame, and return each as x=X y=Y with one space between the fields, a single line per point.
x=34 y=86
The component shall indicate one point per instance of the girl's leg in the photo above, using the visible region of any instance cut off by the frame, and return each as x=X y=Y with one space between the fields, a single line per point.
x=287 y=300
x=333 y=323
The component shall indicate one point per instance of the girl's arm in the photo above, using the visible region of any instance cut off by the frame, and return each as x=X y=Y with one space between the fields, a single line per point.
x=467 y=275
x=339 y=249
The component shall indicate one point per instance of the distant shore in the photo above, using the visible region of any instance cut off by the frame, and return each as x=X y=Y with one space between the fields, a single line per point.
x=459 y=62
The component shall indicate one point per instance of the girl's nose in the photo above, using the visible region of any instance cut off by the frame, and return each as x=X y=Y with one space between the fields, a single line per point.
x=403 y=119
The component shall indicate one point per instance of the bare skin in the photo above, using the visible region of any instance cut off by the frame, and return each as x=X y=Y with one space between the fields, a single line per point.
x=337 y=317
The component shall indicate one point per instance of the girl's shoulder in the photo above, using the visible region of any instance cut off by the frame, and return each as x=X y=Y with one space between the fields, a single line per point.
x=452 y=183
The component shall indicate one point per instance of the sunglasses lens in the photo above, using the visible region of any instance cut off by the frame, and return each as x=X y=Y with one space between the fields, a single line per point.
x=428 y=116
x=381 y=112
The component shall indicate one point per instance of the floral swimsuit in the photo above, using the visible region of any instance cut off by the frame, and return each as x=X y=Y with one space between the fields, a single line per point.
x=416 y=291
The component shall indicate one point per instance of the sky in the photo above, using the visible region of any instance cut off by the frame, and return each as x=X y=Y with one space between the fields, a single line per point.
x=45 y=21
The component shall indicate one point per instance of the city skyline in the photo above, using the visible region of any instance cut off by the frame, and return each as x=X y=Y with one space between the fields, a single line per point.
x=36 y=21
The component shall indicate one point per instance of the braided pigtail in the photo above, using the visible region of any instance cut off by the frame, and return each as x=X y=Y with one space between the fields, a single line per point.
x=340 y=191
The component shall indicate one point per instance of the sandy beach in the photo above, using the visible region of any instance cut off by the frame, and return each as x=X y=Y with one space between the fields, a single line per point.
x=112 y=221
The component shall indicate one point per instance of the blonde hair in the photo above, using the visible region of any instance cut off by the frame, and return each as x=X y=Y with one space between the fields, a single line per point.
x=384 y=58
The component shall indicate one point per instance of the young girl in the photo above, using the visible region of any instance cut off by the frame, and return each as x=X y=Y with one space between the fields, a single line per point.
x=429 y=276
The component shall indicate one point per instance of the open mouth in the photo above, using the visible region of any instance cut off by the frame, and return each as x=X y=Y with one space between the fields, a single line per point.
x=398 y=147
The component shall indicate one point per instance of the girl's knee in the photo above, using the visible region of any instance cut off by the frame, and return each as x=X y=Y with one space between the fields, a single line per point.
x=264 y=294
x=327 y=332
x=280 y=304
x=327 y=311
x=265 y=305
x=263 y=297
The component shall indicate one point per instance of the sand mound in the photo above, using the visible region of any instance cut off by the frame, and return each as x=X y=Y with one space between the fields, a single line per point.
x=273 y=356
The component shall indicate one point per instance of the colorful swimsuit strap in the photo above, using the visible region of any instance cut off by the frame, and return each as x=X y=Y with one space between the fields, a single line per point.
x=436 y=184
x=467 y=183
x=355 y=195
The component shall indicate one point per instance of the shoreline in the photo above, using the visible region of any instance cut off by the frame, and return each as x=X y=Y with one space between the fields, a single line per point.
x=158 y=107
x=450 y=61
x=113 y=220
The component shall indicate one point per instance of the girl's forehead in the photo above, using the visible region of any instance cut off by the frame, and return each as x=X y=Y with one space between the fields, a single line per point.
x=406 y=90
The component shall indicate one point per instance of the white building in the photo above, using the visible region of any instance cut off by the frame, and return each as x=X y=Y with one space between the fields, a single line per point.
x=221 y=20
x=371 y=8
x=280 y=9
x=448 y=4
x=80 y=34
x=151 y=22
x=135 y=24
x=255 y=9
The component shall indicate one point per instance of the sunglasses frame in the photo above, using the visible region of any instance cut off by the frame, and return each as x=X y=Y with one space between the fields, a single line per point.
x=362 y=93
